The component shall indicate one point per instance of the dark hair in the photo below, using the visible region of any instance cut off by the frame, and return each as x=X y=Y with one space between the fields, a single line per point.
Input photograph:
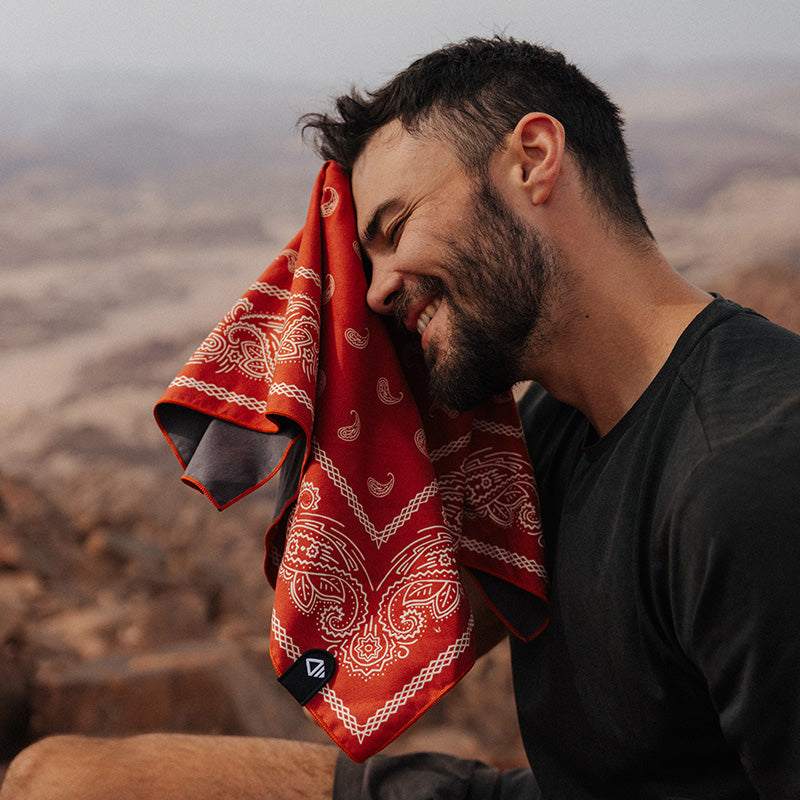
x=473 y=93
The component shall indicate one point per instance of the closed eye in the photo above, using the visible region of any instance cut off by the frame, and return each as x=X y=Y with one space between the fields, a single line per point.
x=394 y=232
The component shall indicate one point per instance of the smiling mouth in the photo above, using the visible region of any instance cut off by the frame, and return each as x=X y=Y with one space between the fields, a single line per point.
x=427 y=315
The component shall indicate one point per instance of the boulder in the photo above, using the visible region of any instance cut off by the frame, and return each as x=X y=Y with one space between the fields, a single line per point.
x=195 y=686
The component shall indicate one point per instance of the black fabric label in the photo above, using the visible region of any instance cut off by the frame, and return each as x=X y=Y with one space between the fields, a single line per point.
x=308 y=674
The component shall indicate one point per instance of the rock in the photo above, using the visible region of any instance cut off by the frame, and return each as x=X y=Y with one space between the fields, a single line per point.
x=36 y=535
x=123 y=545
x=86 y=632
x=173 y=615
x=199 y=686
x=18 y=591
x=11 y=621
x=10 y=551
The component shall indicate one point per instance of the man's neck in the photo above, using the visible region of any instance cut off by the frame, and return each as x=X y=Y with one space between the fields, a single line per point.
x=617 y=326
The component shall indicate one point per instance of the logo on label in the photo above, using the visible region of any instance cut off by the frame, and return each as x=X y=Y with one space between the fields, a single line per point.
x=315 y=667
x=306 y=676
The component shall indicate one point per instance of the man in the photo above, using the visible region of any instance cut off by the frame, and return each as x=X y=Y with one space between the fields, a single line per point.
x=497 y=213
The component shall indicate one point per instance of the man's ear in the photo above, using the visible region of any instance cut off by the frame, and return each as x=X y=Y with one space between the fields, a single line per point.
x=535 y=151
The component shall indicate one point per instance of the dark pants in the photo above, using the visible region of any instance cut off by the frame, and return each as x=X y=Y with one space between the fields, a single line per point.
x=429 y=776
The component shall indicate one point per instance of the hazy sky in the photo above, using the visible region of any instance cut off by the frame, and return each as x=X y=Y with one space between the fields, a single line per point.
x=338 y=41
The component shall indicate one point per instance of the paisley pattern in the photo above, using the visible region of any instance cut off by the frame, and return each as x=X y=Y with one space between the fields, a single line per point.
x=330 y=288
x=378 y=489
x=299 y=342
x=329 y=202
x=498 y=489
x=349 y=433
x=327 y=577
x=386 y=397
x=245 y=341
x=291 y=259
x=356 y=339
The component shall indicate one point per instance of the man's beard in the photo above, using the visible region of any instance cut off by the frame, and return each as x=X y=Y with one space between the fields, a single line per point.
x=500 y=277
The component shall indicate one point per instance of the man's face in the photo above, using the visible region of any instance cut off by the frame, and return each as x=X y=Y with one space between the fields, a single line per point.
x=451 y=260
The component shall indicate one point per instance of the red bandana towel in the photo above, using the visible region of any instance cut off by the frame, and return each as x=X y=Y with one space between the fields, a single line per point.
x=384 y=493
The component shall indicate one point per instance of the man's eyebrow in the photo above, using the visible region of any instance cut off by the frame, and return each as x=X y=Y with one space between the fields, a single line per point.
x=370 y=231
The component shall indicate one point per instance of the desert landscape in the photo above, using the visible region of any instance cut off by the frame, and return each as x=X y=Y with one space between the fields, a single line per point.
x=134 y=210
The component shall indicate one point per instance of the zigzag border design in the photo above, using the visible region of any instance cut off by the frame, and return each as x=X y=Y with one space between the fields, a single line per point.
x=399 y=699
x=382 y=536
x=251 y=403
x=501 y=554
x=220 y=393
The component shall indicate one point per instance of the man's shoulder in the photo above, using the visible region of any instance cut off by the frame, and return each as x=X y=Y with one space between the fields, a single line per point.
x=740 y=426
x=744 y=376
x=743 y=336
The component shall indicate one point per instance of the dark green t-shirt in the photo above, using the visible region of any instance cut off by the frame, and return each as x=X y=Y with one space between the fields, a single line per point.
x=671 y=663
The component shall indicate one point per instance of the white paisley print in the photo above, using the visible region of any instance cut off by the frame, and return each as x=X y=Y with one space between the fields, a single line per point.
x=367 y=626
x=245 y=341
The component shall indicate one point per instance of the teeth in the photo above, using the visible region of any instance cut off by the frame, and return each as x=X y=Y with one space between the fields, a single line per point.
x=427 y=315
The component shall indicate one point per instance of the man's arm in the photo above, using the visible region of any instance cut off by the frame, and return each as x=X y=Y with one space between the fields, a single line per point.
x=175 y=766
x=735 y=596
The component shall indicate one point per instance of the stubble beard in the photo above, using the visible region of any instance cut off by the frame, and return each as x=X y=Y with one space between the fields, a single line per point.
x=499 y=295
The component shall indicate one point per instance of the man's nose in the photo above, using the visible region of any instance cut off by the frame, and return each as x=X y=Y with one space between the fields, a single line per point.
x=384 y=287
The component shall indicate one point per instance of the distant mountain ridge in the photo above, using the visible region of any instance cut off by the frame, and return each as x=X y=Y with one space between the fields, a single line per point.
x=687 y=126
